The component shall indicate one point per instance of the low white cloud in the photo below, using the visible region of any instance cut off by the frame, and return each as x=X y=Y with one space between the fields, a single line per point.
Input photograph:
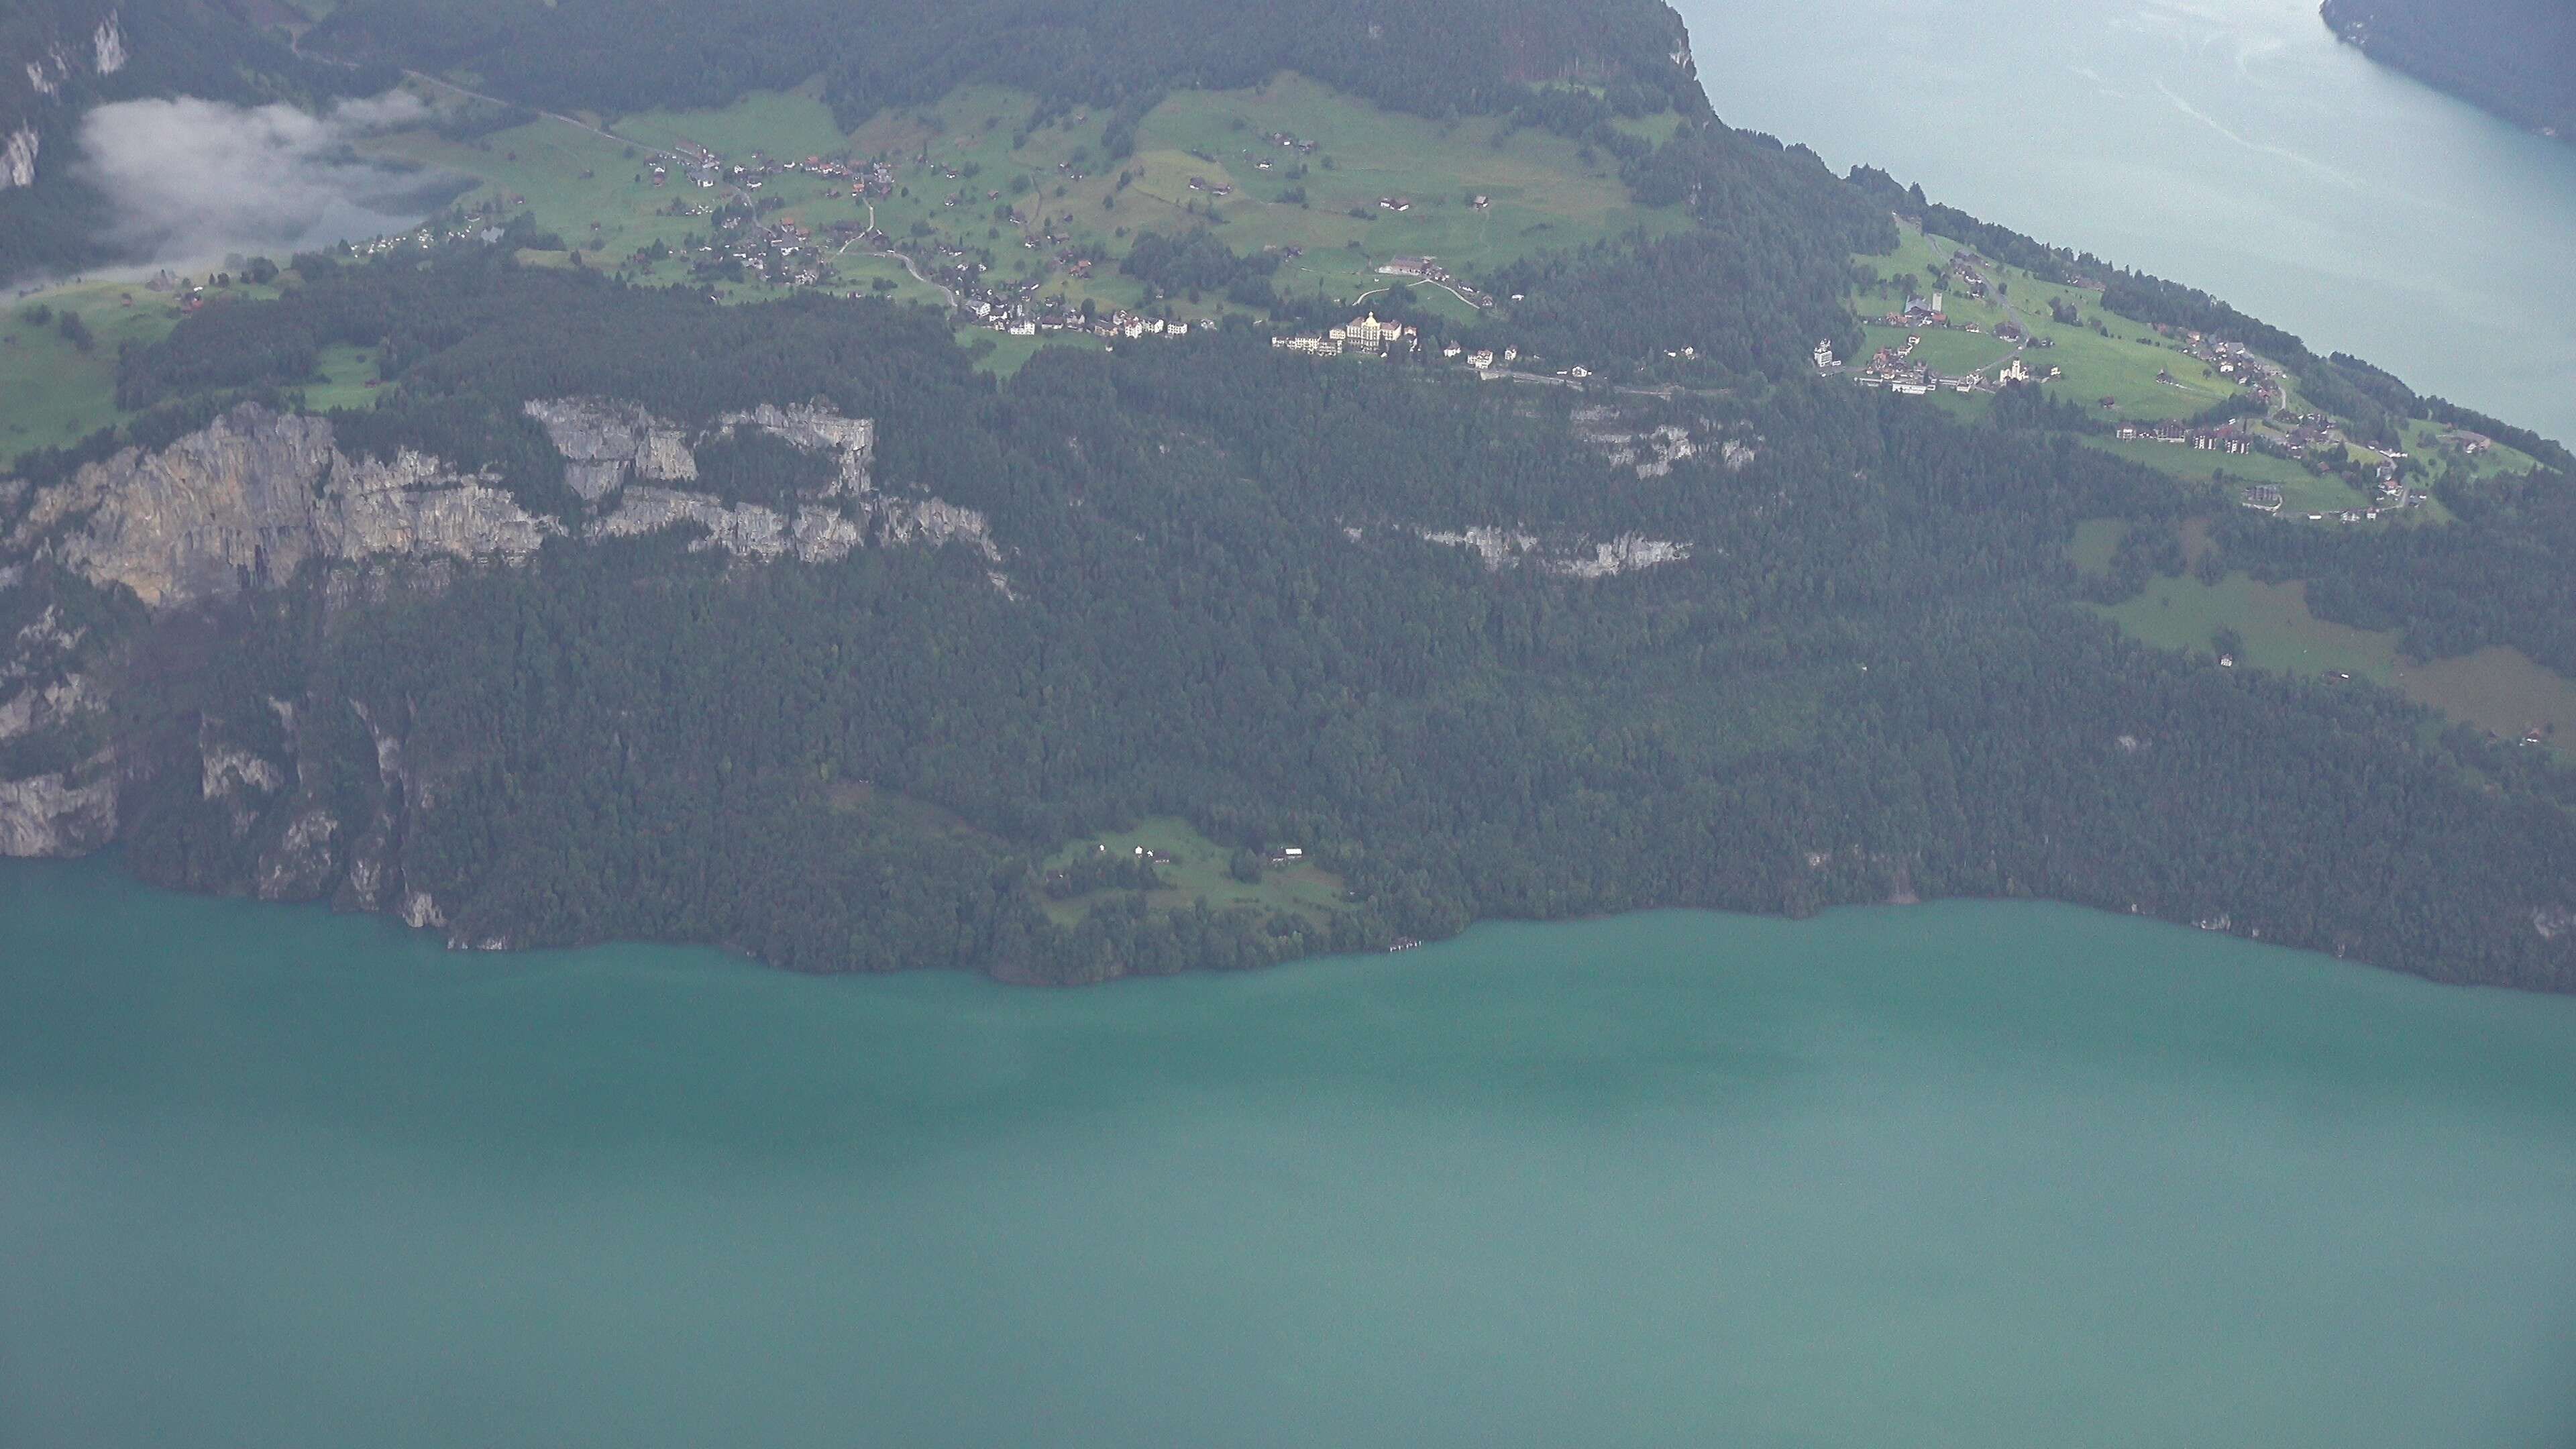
x=191 y=179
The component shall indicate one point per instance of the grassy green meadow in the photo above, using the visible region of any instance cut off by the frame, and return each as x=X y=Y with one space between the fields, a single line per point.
x=2496 y=689
x=1198 y=872
x=53 y=393
x=2302 y=491
x=1066 y=195
x=2120 y=362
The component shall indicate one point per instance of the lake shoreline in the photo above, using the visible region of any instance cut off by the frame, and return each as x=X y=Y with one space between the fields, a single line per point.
x=110 y=861
x=658 y=1198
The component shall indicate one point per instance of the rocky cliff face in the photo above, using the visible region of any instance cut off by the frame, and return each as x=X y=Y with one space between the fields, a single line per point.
x=607 y=445
x=41 y=56
x=18 y=157
x=1572 y=558
x=253 y=498
x=62 y=800
x=257 y=497
x=623 y=461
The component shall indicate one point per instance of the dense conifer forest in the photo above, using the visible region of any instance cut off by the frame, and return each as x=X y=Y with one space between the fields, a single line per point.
x=1433 y=57
x=1844 y=654
x=2517 y=58
x=1870 y=677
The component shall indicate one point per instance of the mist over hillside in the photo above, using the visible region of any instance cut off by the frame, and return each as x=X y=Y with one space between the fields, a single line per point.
x=74 y=195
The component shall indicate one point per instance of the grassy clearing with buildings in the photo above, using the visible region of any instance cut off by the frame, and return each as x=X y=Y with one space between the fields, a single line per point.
x=1541 y=192
x=2496 y=689
x=2125 y=373
x=1199 y=869
x=2303 y=491
x=976 y=182
x=56 y=392
x=2102 y=354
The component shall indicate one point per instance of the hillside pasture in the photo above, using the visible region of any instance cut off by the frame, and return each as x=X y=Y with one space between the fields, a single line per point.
x=979 y=181
x=53 y=393
x=2302 y=492
x=2103 y=354
x=2496 y=689
x=1199 y=872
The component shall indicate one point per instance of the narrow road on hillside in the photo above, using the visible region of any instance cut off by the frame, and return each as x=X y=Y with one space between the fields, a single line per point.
x=295 y=44
x=427 y=79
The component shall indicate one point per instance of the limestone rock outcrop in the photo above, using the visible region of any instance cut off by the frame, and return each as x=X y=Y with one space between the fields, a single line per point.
x=256 y=497
x=607 y=445
x=624 y=462
x=61 y=812
x=18 y=157
x=1576 y=558
x=66 y=804
x=251 y=497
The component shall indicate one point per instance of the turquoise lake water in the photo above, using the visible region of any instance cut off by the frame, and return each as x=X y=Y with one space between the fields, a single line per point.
x=2235 y=145
x=1967 y=1174
x=1973 y=1175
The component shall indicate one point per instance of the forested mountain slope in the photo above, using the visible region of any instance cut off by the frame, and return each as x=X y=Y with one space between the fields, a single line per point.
x=1433 y=56
x=2516 y=58
x=610 y=610
x=1233 y=586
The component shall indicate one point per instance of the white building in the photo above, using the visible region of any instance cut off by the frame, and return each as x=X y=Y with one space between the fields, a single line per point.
x=1369 y=334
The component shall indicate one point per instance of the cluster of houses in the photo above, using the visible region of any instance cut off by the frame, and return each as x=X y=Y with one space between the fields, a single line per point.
x=1894 y=369
x=1024 y=314
x=1897 y=370
x=1930 y=313
x=2235 y=362
x=2228 y=439
x=1367 y=336
x=783 y=252
x=1428 y=269
x=705 y=169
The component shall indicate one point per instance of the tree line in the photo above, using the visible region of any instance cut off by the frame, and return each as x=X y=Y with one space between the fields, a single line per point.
x=1871 y=675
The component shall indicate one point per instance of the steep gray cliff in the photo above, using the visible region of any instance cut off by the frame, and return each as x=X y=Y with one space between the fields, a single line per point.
x=43 y=52
x=252 y=498
x=255 y=498
x=607 y=445
x=59 y=797
x=256 y=495
x=622 y=459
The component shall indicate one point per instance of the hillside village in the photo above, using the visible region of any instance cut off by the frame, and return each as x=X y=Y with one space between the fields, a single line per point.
x=788 y=253
x=2241 y=405
x=925 y=207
